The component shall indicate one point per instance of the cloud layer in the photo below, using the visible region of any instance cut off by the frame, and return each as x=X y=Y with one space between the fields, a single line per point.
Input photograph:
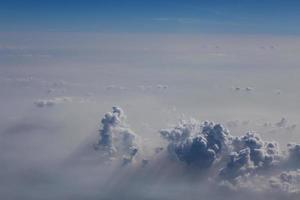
x=231 y=163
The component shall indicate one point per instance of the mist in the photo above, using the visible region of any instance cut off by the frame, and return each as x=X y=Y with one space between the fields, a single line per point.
x=57 y=87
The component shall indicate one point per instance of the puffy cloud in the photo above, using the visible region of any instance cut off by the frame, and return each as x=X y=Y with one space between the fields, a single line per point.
x=233 y=159
x=284 y=185
x=44 y=103
x=115 y=87
x=51 y=102
x=250 y=153
x=195 y=143
x=287 y=181
x=242 y=163
x=239 y=164
x=247 y=89
x=262 y=153
x=116 y=138
x=203 y=144
x=160 y=86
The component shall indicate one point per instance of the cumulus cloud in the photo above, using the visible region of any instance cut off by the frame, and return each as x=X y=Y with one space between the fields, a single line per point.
x=44 y=103
x=160 y=86
x=284 y=185
x=238 y=162
x=115 y=87
x=205 y=142
x=250 y=153
x=52 y=101
x=206 y=151
x=247 y=89
x=202 y=156
x=282 y=124
x=203 y=146
x=287 y=181
x=197 y=144
x=116 y=138
x=210 y=145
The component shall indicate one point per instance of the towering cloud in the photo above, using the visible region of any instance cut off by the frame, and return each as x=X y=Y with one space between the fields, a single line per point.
x=237 y=161
x=250 y=152
x=245 y=162
x=116 y=138
x=196 y=143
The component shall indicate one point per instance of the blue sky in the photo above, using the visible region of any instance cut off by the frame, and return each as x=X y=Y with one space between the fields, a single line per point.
x=198 y=16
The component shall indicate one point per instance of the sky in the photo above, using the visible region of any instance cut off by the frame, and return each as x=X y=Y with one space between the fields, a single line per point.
x=192 y=16
x=149 y=99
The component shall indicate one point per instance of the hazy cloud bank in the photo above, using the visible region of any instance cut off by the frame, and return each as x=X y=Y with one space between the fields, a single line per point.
x=209 y=151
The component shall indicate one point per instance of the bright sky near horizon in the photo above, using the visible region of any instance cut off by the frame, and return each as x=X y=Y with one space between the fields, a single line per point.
x=192 y=16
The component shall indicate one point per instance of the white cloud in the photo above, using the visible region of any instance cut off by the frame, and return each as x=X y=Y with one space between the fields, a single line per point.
x=52 y=101
x=116 y=139
x=239 y=163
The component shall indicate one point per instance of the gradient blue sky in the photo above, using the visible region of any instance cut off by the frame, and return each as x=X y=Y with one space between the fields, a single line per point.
x=198 y=16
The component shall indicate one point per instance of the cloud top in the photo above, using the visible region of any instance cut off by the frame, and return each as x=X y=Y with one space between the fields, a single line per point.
x=116 y=138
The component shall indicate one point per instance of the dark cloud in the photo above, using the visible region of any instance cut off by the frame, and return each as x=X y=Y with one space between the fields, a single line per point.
x=238 y=162
x=193 y=159
x=197 y=144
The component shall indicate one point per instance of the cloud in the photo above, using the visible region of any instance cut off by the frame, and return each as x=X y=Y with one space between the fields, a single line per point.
x=247 y=89
x=280 y=127
x=115 y=87
x=203 y=158
x=208 y=143
x=294 y=154
x=160 y=86
x=249 y=154
x=284 y=185
x=282 y=122
x=288 y=181
x=51 y=102
x=202 y=145
x=44 y=103
x=116 y=138
x=231 y=162
x=239 y=162
x=197 y=144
